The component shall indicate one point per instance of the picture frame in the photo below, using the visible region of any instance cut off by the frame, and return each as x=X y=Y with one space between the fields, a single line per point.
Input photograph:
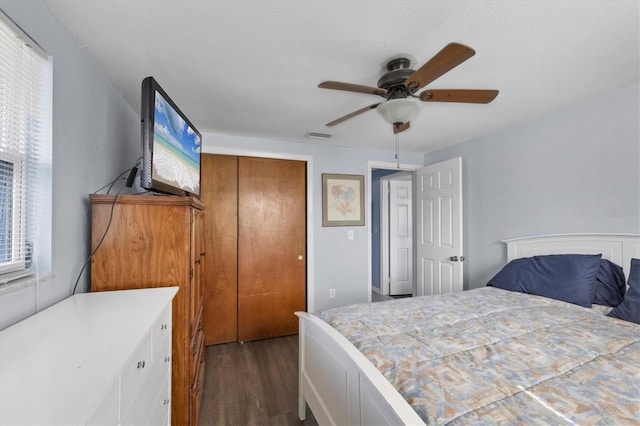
x=342 y=200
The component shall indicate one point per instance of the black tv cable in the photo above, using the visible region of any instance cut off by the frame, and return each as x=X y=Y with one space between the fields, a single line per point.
x=113 y=205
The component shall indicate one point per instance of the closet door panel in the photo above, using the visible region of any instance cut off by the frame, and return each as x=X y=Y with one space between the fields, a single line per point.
x=219 y=190
x=271 y=246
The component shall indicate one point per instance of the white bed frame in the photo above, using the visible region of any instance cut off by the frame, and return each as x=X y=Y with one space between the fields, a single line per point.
x=342 y=387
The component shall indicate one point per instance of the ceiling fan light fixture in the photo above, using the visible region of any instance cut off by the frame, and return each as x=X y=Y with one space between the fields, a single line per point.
x=401 y=110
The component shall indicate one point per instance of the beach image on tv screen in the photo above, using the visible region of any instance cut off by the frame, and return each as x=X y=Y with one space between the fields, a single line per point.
x=176 y=149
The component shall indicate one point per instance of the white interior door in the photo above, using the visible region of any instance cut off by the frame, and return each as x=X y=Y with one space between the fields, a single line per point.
x=439 y=228
x=400 y=237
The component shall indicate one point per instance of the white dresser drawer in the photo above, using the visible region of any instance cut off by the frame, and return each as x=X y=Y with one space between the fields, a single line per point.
x=160 y=413
x=135 y=373
x=150 y=392
x=161 y=331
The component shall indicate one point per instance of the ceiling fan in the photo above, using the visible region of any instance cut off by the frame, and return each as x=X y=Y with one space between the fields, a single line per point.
x=400 y=84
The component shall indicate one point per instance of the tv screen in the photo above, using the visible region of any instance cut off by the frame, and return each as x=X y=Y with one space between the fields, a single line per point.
x=170 y=145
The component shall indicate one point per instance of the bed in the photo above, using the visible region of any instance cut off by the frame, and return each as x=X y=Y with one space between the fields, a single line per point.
x=486 y=355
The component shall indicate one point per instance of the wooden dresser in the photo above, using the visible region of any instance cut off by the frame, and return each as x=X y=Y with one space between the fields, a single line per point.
x=157 y=241
x=94 y=358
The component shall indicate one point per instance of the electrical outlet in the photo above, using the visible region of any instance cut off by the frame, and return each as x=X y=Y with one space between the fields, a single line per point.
x=332 y=293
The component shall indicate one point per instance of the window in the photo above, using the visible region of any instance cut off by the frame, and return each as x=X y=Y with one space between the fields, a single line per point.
x=25 y=150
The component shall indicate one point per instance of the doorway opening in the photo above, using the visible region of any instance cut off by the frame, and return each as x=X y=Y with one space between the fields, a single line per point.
x=396 y=234
x=391 y=257
x=437 y=214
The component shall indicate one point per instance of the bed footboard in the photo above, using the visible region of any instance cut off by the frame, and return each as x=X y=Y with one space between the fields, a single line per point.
x=340 y=385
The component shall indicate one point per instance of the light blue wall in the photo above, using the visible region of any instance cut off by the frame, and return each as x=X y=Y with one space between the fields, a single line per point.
x=574 y=170
x=337 y=262
x=96 y=135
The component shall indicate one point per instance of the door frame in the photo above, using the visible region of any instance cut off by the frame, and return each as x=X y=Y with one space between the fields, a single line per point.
x=407 y=167
x=285 y=156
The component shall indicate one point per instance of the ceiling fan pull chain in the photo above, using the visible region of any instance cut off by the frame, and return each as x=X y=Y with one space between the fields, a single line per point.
x=397 y=150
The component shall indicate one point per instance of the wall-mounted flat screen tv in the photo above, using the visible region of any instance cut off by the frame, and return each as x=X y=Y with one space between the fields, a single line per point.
x=171 y=145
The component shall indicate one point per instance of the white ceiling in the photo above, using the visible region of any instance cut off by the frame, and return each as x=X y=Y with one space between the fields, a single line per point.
x=252 y=67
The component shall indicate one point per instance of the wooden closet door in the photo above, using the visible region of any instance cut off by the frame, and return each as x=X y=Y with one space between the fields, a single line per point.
x=271 y=246
x=219 y=191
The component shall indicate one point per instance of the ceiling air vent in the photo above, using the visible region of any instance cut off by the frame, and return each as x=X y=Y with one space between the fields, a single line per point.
x=317 y=135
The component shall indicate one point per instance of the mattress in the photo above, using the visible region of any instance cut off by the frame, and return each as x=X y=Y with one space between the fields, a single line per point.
x=488 y=356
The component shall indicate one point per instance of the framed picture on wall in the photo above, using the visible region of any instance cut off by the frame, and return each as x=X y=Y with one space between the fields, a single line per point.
x=342 y=200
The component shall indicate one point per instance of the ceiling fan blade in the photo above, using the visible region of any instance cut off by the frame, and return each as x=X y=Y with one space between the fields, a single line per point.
x=400 y=127
x=445 y=60
x=353 y=114
x=459 y=95
x=337 y=85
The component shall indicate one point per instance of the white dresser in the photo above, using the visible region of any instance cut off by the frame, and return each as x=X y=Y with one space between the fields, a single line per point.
x=94 y=358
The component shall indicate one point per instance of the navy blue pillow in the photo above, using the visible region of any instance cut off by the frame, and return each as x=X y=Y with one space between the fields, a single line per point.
x=567 y=277
x=610 y=284
x=629 y=309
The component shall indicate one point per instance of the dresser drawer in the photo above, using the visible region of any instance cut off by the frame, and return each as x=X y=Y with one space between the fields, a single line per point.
x=135 y=373
x=196 y=392
x=161 y=331
x=150 y=393
x=162 y=408
x=163 y=360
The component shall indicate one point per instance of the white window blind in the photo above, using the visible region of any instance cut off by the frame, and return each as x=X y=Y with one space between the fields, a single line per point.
x=25 y=143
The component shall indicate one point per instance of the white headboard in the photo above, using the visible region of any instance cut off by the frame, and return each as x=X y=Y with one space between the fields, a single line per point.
x=618 y=248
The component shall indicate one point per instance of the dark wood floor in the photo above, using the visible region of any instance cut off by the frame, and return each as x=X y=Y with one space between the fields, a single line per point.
x=254 y=383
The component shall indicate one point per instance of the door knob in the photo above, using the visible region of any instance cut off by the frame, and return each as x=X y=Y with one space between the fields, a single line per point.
x=300 y=257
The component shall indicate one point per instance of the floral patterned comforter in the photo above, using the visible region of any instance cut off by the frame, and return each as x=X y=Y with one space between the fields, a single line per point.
x=489 y=356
